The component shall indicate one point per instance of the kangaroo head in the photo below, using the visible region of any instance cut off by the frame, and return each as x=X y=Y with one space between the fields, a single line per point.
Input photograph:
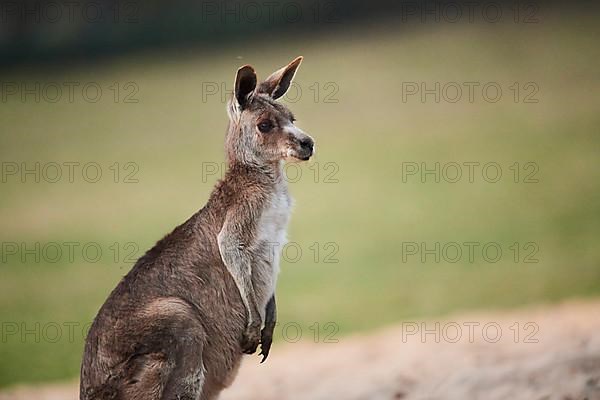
x=261 y=130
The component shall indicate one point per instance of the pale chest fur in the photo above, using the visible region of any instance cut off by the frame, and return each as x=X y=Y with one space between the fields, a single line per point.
x=271 y=237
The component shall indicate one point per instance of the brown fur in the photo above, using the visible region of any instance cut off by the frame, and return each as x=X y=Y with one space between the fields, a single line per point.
x=177 y=324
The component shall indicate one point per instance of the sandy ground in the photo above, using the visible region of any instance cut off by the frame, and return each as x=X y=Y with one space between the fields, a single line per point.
x=541 y=353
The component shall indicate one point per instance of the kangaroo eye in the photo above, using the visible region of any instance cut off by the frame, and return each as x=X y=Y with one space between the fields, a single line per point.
x=265 y=126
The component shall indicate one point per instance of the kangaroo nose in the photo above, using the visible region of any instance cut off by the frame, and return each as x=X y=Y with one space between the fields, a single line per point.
x=307 y=143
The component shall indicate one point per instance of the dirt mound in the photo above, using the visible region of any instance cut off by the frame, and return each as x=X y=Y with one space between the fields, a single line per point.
x=542 y=353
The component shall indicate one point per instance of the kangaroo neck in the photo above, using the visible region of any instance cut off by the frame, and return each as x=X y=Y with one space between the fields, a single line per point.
x=264 y=175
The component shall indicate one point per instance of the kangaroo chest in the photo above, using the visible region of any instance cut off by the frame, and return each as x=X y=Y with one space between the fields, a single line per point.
x=272 y=224
x=271 y=237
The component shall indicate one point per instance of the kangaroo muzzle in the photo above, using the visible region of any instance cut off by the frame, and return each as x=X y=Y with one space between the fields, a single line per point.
x=303 y=146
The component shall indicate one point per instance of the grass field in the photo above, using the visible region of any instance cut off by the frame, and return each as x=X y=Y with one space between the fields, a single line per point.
x=355 y=202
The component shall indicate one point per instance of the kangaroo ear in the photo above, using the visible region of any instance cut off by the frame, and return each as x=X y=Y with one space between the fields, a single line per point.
x=279 y=82
x=245 y=83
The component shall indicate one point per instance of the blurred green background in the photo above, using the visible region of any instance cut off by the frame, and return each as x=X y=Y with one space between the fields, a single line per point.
x=351 y=199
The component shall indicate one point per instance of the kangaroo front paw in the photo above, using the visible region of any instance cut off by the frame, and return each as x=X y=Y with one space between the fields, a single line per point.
x=266 y=340
x=251 y=339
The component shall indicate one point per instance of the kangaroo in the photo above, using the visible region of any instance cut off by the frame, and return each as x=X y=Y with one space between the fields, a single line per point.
x=178 y=323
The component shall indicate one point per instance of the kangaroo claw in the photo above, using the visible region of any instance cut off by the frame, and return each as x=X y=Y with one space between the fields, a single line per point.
x=265 y=344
